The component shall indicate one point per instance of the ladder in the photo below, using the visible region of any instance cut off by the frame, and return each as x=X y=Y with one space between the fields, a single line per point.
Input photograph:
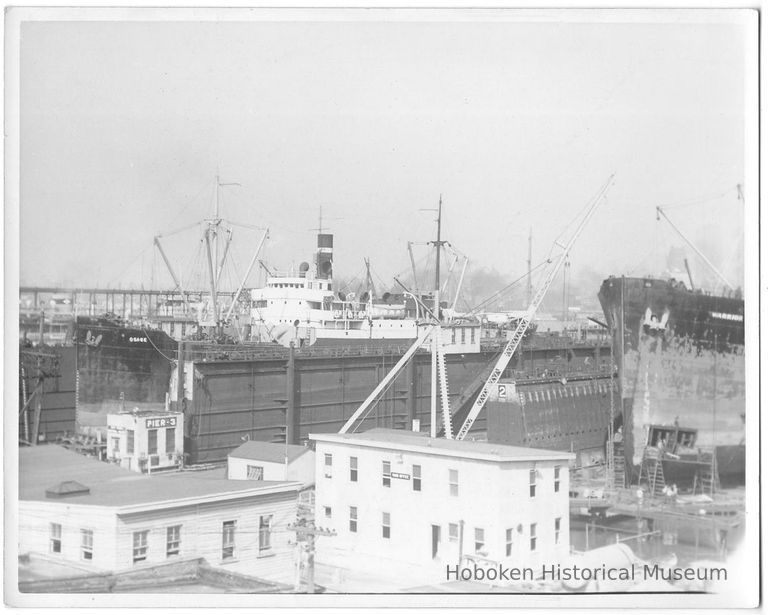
x=707 y=478
x=619 y=472
x=652 y=471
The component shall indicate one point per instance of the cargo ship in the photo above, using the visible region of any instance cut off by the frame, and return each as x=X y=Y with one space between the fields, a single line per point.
x=680 y=358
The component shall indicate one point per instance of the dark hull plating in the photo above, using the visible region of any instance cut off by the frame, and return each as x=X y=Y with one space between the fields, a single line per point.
x=117 y=363
x=680 y=355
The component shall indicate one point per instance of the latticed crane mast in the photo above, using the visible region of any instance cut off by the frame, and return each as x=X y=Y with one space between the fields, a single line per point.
x=553 y=266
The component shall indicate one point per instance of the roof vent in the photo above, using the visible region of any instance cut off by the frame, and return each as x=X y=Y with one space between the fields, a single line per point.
x=67 y=488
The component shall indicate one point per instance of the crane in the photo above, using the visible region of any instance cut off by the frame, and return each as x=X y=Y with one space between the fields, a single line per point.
x=661 y=212
x=554 y=264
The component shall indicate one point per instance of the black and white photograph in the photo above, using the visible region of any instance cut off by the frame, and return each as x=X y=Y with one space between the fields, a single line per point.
x=382 y=307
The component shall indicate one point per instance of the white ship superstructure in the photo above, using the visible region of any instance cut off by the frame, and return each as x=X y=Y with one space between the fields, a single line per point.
x=304 y=306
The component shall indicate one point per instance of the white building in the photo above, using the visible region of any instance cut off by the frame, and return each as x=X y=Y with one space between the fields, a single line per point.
x=255 y=460
x=75 y=508
x=146 y=440
x=398 y=498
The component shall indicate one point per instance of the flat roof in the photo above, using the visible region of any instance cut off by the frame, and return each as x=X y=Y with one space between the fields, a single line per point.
x=269 y=451
x=142 y=412
x=45 y=466
x=401 y=439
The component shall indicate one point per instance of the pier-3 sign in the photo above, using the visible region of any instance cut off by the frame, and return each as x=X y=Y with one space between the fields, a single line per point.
x=166 y=421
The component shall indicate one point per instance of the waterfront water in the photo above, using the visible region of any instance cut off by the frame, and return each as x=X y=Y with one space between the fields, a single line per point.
x=685 y=543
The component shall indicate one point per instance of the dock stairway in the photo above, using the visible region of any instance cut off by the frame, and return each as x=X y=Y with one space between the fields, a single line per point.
x=707 y=478
x=652 y=471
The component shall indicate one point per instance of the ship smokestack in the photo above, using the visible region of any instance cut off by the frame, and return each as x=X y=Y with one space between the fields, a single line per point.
x=324 y=258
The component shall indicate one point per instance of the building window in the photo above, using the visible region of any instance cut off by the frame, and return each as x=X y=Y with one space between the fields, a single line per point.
x=353 y=518
x=453 y=481
x=86 y=544
x=328 y=465
x=509 y=542
x=463 y=335
x=265 y=533
x=172 y=540
x=228 y=540
x=115 y=445
x=255 y=472
x=385 y=524
x=479 y=539
x=557 y=531
x=533 y=536
x=453 y=335
x=129 y=442
x=140 y=546
x=386 y=477
x=152 y=442
x=532 y=481
x=416 y=478
x=353 y=469
x=453 y=532
x=472 y=335
x=170 y=440
x=557 y=479
x=55 y=538
x=327 y=510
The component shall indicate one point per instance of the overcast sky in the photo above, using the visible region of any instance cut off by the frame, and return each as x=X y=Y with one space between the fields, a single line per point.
x=124 y=126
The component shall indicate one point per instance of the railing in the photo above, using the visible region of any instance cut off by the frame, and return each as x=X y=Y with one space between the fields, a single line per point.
x=244 y=352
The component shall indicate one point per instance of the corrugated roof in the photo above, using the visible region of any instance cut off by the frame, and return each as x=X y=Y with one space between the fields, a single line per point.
x=40 y=467
x=268 y=451
x=381 y=437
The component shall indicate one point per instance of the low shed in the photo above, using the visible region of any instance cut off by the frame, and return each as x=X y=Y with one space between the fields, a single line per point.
x=272 y=461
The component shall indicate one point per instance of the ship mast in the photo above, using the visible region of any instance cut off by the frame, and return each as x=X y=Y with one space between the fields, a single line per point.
x=438 y=244
x=529 y=285
x=216 y=265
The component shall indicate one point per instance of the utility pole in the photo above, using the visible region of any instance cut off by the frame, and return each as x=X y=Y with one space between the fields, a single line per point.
x=306 y=535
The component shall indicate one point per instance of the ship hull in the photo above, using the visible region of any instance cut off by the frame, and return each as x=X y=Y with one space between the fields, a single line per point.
x=680 y=356
x=119 y=367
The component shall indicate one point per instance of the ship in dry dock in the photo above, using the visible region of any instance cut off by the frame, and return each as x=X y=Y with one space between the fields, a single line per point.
x=680 y=354
x=342 y=347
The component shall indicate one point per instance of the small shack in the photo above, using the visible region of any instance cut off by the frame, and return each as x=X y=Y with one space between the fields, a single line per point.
x=255 y=460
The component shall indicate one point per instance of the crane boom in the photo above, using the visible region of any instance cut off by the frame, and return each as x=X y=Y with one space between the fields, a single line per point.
x=525 y=321
x=171 y=271
x=660 y=211
x=387 y=379
x=247 y=273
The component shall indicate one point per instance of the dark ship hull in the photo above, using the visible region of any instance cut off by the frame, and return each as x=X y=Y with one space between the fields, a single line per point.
x=680 y=355
x=116 y=365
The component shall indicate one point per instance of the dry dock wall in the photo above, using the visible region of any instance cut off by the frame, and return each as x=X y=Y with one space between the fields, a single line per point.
x=237 y=400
